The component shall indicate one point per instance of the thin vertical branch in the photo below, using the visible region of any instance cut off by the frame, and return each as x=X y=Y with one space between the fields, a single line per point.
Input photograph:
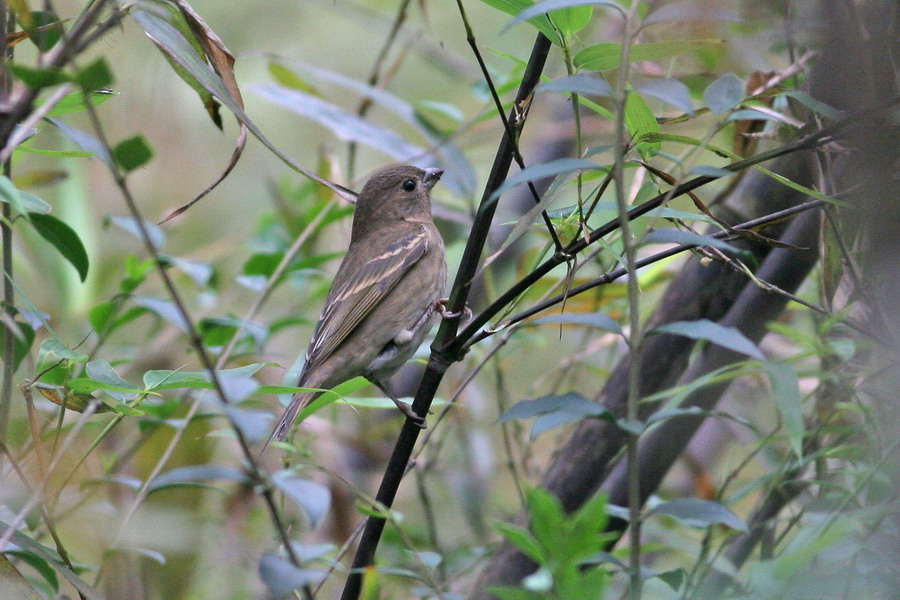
x=634 y=315
x=7 y=19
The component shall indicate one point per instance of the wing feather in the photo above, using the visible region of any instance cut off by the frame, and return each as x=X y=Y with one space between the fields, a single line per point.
x=358 y=294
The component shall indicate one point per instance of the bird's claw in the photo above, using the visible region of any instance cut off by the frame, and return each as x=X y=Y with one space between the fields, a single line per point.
x=407 y=410
x=441 y=307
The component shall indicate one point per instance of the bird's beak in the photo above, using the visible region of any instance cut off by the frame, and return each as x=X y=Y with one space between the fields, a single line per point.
x=432 y=176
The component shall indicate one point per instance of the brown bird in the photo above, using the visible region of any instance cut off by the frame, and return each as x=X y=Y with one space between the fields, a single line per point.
x=384 y=294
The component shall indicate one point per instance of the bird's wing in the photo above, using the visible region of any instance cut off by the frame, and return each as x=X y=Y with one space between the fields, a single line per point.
x=361 y=292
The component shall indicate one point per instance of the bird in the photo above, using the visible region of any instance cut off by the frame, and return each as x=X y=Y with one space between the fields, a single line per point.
x=386 y=292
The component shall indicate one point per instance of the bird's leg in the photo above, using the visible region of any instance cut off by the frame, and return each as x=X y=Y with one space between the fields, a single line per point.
x=405 y=408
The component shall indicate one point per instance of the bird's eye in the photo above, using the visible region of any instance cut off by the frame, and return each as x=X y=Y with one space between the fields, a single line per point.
x=408 y=185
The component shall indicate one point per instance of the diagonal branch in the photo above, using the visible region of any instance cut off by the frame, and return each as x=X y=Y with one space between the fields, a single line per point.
x=439 y=360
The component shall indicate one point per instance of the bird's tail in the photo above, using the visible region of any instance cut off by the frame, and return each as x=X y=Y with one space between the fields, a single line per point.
x=298 y=402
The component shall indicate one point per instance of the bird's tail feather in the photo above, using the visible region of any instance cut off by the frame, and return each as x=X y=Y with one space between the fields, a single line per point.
x=298 y=403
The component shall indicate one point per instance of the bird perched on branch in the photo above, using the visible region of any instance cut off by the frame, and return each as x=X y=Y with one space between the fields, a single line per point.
x=385 y=293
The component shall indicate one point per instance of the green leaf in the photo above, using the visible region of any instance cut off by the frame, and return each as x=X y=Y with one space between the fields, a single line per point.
x=668 y=90
x=37 y=79
x=687 y=238
x=23 y=541
x=640 y=121
x=515 y=7
x=64 y=239
x=163 y=308
x=289 y=78
x=138 y=271
x=313 y=498
x=86 y=142
x=582 y=83
x=96 y=76
x=547 y=518
x=23 y=338
x=49 y=25
x=344 y=124
x=53 y=347
x=74 y=102
x=573 y=19
x=598 y=320
x=179 y=43
x=14 y=585
x=550 y=168
x=184 y=476
x=704 y=329
x=101 y=314
x=786 y=389
x=700 y=513
x=132 y=153
x=552 y=6
x=608 y=55
x=522 y=539
x=674 y=578
x=820 y=108
x=724 y=93
x=21 y=201
x=281 y=576
x=101 y=372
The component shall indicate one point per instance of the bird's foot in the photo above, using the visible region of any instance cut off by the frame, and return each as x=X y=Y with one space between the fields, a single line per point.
x=440 y=306
x=407 y=410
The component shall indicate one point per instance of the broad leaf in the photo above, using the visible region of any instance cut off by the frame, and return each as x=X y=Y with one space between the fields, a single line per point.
x=64 y=239
x=724 y=93
x=313 y=498
x=700 y=513
x=704 y=329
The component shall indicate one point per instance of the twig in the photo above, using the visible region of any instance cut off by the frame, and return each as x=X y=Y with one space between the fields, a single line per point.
x=520 y=112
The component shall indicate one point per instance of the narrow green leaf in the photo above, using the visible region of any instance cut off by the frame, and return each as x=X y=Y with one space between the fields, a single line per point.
x=64 y=239
x=677 y=236
x=786 y=389
x=704 y=329
x=23 y=541
x=74 y=102
x=700 y=513
x=608 y=55
x=598 y=320
x=640 y=121
x=344 y=124
x=83 y=140
x=180 y=476
x=550 y=168
x=582 y=83
x=522 y=539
